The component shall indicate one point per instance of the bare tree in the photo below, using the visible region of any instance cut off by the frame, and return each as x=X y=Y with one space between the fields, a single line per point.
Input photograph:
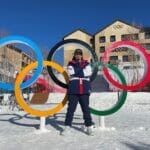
x=45 y=50
x=134 y=58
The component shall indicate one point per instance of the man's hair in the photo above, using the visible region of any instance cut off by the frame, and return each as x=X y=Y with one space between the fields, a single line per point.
x=78 y=51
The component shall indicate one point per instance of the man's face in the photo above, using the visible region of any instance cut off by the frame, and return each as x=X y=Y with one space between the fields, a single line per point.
x=78 y=56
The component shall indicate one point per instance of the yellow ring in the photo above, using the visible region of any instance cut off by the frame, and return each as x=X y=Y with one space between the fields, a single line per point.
x=18 y=92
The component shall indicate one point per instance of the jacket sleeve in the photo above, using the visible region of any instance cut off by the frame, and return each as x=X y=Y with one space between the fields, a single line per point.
x=87 y=71
x=70 y=70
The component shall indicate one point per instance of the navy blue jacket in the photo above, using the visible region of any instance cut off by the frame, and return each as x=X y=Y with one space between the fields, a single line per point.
x=79 y=73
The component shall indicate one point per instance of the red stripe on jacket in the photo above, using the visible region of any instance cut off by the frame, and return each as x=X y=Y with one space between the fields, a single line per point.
x=80 y=86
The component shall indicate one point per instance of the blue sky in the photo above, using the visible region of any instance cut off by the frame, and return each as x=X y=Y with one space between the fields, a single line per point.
x=47 y=21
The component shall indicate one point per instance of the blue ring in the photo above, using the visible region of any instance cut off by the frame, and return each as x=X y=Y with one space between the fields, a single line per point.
x=26 y=41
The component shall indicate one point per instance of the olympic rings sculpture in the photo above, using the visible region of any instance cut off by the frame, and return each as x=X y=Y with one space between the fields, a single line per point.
x=50 y=64
x=28 y=42
x=142 y=52
x=66 y=42
x=18 y=91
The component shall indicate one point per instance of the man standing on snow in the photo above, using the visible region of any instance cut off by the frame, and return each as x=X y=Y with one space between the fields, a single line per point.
x=79 y=89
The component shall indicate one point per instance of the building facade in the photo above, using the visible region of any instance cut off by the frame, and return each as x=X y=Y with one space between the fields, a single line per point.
x=126 y=59
x=12 y=60
x=116 y=31
x=120 y=31
x=69 y=49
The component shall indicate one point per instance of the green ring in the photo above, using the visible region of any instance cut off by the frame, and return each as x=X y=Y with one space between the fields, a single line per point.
x=122 y=98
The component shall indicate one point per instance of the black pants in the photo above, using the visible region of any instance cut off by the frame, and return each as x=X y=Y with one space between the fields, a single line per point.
x=84 y=102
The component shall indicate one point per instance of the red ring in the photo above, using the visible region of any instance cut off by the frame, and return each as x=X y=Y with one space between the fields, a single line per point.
x=127 y=44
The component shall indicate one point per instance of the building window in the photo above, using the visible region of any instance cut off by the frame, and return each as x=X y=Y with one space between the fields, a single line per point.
x=91 y=41
x=112 y=38
x=23 y=64
x=147 y=46
x=102 y=39
x=125 y=58
x=113 y=58
x=135 y=36
x=136 y=58
x=126 y=67
x=124 y=37
x=102 y=49
x=129 y=37
x=147 y=35
x=100 y=59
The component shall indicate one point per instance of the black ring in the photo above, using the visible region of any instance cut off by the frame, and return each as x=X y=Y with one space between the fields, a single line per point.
x=59 y=44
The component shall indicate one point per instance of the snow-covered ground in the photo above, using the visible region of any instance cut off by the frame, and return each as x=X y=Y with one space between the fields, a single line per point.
x=19 y=130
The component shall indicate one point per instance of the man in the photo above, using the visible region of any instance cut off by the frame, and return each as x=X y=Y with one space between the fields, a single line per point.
x=79 y=90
